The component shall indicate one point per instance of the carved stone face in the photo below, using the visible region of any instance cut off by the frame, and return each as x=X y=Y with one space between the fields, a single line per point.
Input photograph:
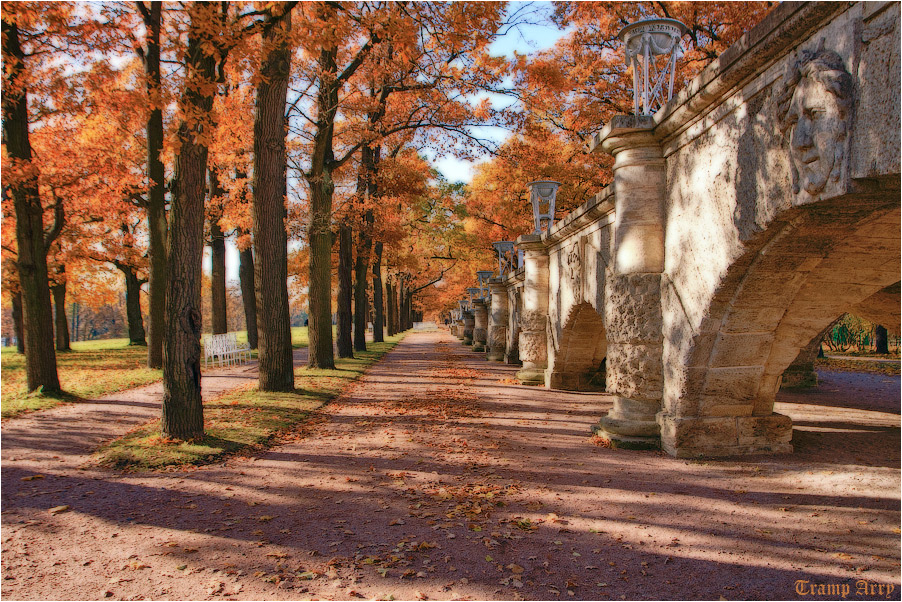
x=817 y=137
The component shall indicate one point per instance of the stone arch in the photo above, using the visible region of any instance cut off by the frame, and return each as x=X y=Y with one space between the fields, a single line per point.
x=583 y=348
x=810 y=265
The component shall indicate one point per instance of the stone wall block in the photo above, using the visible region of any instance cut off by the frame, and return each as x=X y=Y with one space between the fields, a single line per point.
x=635 y=371
x=633 y=308
x=745 y=349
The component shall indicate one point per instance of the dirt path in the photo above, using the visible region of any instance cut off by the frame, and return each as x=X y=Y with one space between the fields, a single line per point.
x=66 y=435
x=436 y=478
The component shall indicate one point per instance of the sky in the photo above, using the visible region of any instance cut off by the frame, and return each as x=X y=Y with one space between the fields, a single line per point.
x=526 y=40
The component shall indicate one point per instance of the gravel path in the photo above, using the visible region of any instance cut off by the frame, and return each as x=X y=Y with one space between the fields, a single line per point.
x=435 y=477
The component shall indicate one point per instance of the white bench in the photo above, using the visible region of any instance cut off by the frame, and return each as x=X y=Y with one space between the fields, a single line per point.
x=225 y=349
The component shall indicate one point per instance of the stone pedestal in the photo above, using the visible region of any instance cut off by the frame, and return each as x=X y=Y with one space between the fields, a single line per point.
x=469 y=322
x=633 y=285
x=480 y=324
x=498 y=318
x=715 y=436
x=534 y=317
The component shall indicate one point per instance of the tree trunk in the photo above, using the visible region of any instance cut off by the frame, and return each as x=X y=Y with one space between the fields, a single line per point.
x=270 y=186
x=40 y=358
x=345 y=255
x=390 y=299
x=218 y=270
x=18 y=324
x=378 y=305
x=136 y=335
x=881 y=344
x=248 y=293
x=60 y=320
x=157 y=225
x=183 y=413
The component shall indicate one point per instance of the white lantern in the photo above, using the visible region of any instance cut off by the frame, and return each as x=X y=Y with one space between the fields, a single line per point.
x=645 y=41
x=542 y=195
x=483 y=276
x=507 y=258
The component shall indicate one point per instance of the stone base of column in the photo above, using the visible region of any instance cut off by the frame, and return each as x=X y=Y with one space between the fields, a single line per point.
x=468 y=340
x=798 y=379
x=532 y=376
x=495 y=356
x=477 y=346
x=512 y=358
x=630 y=424
x=696 y=437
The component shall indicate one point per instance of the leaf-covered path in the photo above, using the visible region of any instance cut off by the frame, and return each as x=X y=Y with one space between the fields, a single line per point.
x=436 y=478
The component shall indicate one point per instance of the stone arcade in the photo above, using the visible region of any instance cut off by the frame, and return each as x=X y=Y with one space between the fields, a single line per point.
x=745 y=216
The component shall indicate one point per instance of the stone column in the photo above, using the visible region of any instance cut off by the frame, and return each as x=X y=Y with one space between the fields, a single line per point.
x=480 y=324
x=468 y=327
x=633 y=285
x=498 y=317
x=512 y=353
x=534 y=317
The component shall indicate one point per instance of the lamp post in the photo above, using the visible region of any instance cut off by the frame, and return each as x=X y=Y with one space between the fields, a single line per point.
x=542 y=195
x=645 y=41
x=506 y=257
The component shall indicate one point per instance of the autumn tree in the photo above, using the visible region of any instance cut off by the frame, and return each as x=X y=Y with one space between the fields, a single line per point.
x=270 y=183
x=157 y=225
x=182 y=416
x=32 y=240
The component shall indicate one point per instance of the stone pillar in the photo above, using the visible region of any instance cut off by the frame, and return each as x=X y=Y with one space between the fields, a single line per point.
x=801 y=374
x=469 y=321
x=480 y=324
x=512 y=353
x=633 y=285
x=534 y=317
x=498 y=317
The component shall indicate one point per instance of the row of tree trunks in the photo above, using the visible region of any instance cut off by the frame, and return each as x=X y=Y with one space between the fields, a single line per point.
x=40 y=358
x=270 y=187
x=182 y=416
x=248 y=293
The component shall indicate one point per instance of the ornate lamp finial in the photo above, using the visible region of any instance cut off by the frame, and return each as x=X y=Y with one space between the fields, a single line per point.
x=542 y=195
x=644 y=41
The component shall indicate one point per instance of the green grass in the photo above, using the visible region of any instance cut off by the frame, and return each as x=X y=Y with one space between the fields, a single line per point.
x=240 y=420
x=91 y=369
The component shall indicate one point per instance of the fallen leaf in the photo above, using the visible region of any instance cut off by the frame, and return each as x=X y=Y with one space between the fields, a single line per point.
x=58 y=509
x=33 y=477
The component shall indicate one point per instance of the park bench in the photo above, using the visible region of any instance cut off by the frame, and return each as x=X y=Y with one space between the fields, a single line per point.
x=225 y=348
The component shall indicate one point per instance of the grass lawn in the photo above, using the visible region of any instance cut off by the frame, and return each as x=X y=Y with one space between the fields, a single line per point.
x=91 y=369
x=240 y=420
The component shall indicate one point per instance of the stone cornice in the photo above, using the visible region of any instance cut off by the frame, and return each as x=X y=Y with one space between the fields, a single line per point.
x=513 y=278
x=787 y=25
x=589 y=212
